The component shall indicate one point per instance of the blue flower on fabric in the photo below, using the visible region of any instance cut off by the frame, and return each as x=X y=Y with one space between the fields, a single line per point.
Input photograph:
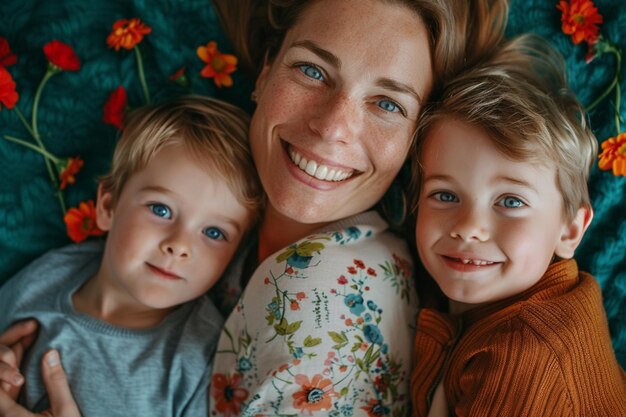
x=347 y=410
x=372 y=334
x=372 y=305
x=367 y=317
x=244 y=364
x=274 y=308
x=298 y=353
x=355 y=303
x=353 y=232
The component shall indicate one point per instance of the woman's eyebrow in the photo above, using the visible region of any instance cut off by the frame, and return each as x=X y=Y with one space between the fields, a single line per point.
x=327 y=56
x=399 y=87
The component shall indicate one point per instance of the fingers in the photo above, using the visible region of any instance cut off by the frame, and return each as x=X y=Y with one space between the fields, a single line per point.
x=10 y=377
x=18 y=331
x=62 y=402
x=9 y=408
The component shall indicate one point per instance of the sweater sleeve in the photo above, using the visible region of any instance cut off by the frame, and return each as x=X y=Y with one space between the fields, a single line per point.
x=515 y=373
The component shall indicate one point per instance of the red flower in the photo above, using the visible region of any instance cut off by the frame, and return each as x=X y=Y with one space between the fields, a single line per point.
x=613 y=155
x=359 y=264
x=7 y=57
x=219 y=65
x=342 y=280
x=70 y=168
x=300 y=296
x=580 y=19
x=127 y=33
x=315 y=394
x=8 y=95
x=295 y=306
x=352 y=270
x=371 y=272
x=61 y=56
x=115 y=108
x=81 y=222
x=227 y=394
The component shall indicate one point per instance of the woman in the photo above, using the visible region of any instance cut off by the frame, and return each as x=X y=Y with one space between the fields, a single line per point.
x=325 y=322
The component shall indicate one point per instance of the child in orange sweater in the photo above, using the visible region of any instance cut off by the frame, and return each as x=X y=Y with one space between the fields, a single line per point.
x=501 y=167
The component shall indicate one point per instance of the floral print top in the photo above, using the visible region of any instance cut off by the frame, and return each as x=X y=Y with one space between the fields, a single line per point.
x=324 y=327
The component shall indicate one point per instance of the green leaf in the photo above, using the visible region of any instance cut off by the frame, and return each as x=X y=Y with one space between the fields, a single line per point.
x=286 y=254
x=310 y=341
x=308 y=248
x=338 y=338
x=344 y=391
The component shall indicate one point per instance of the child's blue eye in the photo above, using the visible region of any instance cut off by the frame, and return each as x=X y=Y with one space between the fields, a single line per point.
x=511 y=202
x=311 y=72
x=161 y=210
x=214 y=233
x=445 y=197
x=389 y=106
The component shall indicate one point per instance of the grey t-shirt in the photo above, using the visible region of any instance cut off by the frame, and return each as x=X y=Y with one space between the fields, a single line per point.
x=113 y=371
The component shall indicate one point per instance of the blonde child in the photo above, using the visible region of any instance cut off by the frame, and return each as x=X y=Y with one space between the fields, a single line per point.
x=502 y=166
x=129 y=314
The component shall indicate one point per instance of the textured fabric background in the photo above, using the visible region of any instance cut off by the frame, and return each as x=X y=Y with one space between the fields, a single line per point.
x=70 y=114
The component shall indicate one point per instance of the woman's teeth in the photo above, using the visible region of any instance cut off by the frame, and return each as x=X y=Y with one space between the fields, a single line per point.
x=319 y=171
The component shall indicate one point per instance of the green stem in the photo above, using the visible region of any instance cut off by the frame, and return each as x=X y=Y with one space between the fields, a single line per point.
x=615 y=83
x=42 y=84
x=142 y=76
x=35 y=130
x=24 y=122
x=34 y=148
x=618 y=90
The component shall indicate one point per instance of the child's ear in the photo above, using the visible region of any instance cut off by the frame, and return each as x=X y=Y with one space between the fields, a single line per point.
x=104 y=209
x=573 y=233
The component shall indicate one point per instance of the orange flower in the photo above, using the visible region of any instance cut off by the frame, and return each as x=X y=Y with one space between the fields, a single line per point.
x=227 y=394
x=61 y=56
x=127 y=33
x=315 y=394
x=580 y=19
x=7 y=57
x=295 y=305
x=613 y=155
x=81 y=222
x=375 y=408
x=69 y=168
x=219 y=65
x=8 y=94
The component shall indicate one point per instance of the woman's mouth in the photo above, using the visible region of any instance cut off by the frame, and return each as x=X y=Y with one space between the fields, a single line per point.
x=317 y=169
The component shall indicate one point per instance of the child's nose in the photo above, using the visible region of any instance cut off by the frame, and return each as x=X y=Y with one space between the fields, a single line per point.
x=471 y=225
x=176 y=246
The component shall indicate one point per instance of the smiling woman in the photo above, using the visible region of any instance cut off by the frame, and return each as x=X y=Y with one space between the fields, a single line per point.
x=325 y=323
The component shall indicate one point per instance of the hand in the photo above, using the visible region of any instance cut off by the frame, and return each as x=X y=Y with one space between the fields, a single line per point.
x=13 y=342
x=62 y=403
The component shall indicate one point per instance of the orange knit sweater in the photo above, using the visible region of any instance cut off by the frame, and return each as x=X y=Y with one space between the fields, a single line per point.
x=544 y=352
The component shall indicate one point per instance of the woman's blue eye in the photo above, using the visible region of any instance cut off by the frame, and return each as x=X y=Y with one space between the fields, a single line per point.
x=161 y=210
x=511 y=202
x=311 y=71
x=389 y=106
x=214 y=233
x=445 y=197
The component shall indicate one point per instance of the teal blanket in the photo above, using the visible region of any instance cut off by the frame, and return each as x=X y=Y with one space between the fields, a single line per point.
x=70 y=112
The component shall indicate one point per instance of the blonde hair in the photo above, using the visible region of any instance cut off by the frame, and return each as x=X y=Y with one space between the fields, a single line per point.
x=215 y=132
x=520 y=98
x=462 y=32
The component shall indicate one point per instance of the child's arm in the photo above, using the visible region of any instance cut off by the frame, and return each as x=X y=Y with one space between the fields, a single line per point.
x=13 y=342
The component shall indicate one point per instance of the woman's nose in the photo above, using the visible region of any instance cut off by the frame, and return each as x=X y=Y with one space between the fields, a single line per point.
x=470 y=225
x=339 y=118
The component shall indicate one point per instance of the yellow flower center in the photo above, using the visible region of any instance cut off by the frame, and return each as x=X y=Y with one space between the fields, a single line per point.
x=622 y=149
x=218 y=63
x=579 y=18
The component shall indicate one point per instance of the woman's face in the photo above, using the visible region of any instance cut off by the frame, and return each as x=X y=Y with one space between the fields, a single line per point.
x=338 y=106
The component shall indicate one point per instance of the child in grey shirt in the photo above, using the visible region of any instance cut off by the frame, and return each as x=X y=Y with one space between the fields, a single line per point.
x=129 y=315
